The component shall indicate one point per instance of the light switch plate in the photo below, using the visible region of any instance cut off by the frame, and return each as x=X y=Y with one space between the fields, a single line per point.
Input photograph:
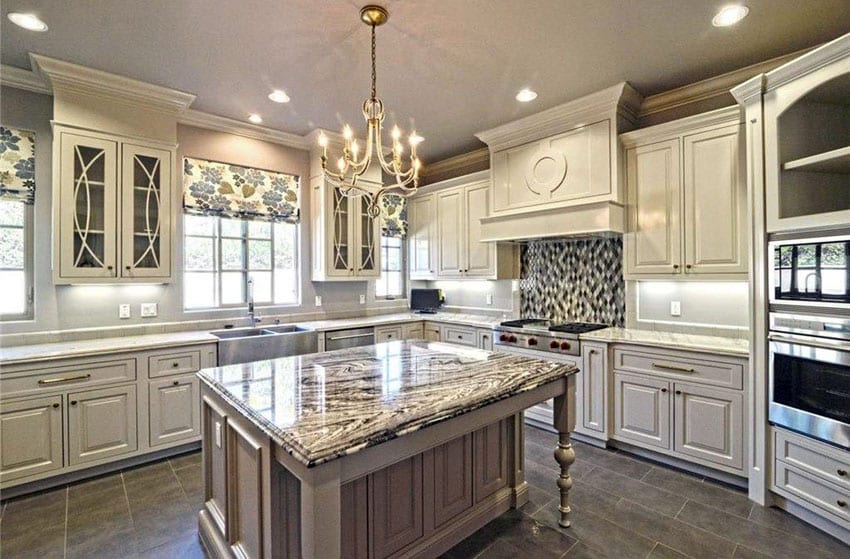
x=675 y=308
x=148 y=310
x=489 y=298
x=362 y=298
x=124 y=311
x=218 y=434
x=318 y=300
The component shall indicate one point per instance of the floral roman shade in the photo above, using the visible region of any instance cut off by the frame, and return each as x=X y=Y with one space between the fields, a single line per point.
x=212 y=188
x=393 y=215
x=17 y=165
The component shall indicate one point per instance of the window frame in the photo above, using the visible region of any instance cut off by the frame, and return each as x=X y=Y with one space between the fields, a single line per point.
x=384 y=248
x=217 y=237
x=28 y=229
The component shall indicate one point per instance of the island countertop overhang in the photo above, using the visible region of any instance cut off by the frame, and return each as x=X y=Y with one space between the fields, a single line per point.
x=323 y=406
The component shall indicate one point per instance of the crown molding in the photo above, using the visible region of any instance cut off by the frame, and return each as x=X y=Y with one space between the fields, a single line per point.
x=718 y=117
x=66 y=76
x=469 y=178
x=810 y=62
x=458 y=164
x=19 y=78
x=710 y=88
x=621 y=100
x=750 y=88
x=209 y=121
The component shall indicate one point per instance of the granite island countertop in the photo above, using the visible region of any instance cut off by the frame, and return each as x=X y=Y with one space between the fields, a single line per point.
x=323 y=406
x=736 y=347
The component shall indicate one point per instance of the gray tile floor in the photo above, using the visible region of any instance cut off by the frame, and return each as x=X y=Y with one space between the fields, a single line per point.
x=623 y=507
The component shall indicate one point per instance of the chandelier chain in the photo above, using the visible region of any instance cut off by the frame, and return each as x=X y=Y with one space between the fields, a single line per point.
x=374 y=73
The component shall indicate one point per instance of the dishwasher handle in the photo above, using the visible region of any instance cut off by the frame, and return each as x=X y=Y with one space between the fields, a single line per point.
x=351 y=337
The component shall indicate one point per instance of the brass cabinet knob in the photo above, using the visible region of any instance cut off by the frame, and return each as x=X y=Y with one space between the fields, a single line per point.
x=663 y=390
x=55 y=405
x=175 y=365
x=675 y=266
x=73 y=402
x=592 y=352
x=842 y=473
x=841 y=503
x=678 y=392
x=109 y=267
x=127 y=267
x=176 y=382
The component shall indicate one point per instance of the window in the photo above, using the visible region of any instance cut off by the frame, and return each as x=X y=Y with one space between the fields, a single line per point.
x=391 y=283
x=15 y=260
x=221 y=254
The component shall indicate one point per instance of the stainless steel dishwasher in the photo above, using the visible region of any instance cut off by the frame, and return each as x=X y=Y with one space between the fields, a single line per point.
x=351 y=337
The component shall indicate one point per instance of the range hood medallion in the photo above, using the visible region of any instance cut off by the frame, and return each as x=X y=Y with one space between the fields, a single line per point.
x=557 y=173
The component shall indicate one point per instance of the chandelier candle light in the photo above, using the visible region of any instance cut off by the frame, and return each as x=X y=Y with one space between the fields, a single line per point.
x=351 y=166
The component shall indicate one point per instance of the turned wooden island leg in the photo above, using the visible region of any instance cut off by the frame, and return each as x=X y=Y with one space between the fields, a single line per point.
x=565 y=422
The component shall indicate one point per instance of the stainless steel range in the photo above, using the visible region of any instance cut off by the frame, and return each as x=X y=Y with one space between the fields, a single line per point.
x=542 y=338
x=539 y=334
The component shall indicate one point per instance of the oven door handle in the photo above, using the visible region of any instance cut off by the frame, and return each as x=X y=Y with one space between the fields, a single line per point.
x=836 y=345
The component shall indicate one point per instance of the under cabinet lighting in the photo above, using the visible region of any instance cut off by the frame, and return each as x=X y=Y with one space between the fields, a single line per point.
x=255 y=118
x=30 y=22
x=730 y=15
x=525 y=95
x=279 y=96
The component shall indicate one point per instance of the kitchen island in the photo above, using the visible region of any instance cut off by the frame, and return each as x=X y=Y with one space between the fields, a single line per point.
x=400 y=449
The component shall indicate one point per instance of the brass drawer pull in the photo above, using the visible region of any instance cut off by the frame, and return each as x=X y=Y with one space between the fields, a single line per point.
x=64 y=379
x=672 y=367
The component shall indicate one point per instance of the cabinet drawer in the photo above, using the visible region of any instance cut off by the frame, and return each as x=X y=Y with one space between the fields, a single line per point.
x=813 y=458
x=671 y=365
x=77 y=375
x=387 y=334
x=174 y=363
x=460 y=335
x=824 y=495
x=413 y=331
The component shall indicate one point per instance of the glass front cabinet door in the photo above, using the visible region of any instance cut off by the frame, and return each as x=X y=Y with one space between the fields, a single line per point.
x=113 y=211
x=367 y=232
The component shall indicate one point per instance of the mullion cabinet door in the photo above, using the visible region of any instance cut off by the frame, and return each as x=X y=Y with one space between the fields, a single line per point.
x=146 y=212
x=88 y=201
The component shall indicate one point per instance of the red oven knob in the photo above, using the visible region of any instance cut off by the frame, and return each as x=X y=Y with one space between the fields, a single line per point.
x=503 y=338
x=512 y=338
x=532 y=341
x=565 y=346
x=553 y=344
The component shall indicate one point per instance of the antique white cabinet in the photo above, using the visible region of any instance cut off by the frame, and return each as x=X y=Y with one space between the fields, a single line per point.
x=31 y=440
x=101 y=424
x=346 y=241
x=422 y=237
x=686 y=199
x=112 y=208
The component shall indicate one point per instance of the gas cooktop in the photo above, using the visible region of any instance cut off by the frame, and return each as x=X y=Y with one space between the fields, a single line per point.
x=543 y=335
x=545 y=324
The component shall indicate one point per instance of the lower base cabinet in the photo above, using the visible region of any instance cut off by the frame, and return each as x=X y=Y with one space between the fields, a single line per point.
x=101 y=423
x=642 y=410
x=174 y=412
x=396 y=506
x=30 y=437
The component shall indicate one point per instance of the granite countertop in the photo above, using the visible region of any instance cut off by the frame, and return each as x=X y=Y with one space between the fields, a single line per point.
x=81 y=348
x=323 y=406
x=710 y=344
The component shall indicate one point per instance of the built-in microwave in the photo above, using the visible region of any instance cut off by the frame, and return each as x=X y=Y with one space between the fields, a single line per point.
x=811 y=271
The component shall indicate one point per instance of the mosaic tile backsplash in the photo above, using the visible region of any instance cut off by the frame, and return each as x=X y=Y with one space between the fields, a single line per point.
x=574 y=280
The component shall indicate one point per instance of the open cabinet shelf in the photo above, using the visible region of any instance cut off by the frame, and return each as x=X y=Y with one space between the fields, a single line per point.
x=834 y=161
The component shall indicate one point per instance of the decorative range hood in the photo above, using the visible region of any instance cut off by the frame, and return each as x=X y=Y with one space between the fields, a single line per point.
x=557 y=173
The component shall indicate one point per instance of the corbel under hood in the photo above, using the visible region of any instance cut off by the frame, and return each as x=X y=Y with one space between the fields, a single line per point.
x=557 y=173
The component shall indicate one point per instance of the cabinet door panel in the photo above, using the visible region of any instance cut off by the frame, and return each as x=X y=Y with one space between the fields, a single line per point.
x=174 y=409
x=450 y=233
x=367 y=235
x=397 y=511
x=653 y=181
x=480 y=257
x=340 y=238
x=433 y=332
x=715 y=203
x=452 y=479
x=146 y=212
x=709 y=424
x=422 y=214
x=491 y=460
x=414 y=331
x=101 y=423
x=30 y=437
x=594 y=394
x=642 y=410
x=88 y=200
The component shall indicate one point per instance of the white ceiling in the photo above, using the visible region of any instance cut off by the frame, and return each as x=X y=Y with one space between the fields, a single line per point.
x=449 y=67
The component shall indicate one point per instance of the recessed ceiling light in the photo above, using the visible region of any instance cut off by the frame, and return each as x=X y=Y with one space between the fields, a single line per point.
x=279 y=96
x=525 y=95
x=27 y=21
x=255 y=118
x=730 y=15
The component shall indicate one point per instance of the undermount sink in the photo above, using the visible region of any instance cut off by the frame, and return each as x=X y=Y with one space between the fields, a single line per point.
x=244 y=345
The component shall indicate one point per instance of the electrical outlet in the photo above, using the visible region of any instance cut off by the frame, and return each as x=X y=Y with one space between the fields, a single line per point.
x=318 y=300
x=148 y=310
x=218 y=434
x=362 y=298
x=124 y=311
x=675 y=308
x=489 y=298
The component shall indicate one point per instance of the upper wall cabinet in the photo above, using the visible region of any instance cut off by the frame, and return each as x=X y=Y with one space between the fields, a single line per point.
x=444 y=239
x=346 y=241
x=556 y=173
x=686 y=214
x=112 y=208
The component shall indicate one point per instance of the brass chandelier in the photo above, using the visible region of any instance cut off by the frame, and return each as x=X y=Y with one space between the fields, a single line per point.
x=351 y=165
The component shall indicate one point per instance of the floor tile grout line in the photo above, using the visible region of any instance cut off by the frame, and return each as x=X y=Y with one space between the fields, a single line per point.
x=722 y=537
x=654 y=547
x=127 y=499
x=180 y=483
x=644 y=476
x=575 y=543
x=676 y=516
